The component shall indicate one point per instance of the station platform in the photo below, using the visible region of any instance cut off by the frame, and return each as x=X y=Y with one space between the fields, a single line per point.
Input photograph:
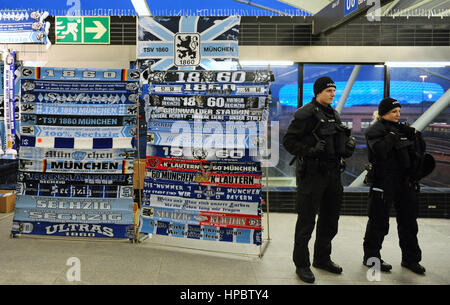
x=39 y=260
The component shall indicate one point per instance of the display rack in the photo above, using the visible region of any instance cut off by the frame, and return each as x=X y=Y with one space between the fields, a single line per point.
x=129 y=227
x=141 y=237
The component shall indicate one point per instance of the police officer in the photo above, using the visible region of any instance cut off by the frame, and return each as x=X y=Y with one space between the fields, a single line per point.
x=396 y=153
x=319 y=141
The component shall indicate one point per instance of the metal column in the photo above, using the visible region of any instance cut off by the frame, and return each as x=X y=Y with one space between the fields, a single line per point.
x=348 y=88
x=432 y=112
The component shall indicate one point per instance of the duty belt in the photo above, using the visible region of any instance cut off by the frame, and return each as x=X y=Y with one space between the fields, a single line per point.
x=324 y=164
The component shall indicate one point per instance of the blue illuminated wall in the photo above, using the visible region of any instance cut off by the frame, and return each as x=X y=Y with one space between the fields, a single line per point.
x=413 y=90
x=368 y=89
x=369 y=92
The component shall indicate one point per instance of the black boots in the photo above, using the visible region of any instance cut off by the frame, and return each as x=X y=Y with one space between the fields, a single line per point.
x=384 y=267
x=329 y=266
x=305 y=274
x=414 y=267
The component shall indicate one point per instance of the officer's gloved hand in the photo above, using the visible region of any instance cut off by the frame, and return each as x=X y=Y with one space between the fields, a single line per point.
x=407 y=130
x=350 y=146
x=317 y=149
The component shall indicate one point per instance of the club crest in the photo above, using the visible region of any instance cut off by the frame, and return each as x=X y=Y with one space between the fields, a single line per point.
x=187 y=49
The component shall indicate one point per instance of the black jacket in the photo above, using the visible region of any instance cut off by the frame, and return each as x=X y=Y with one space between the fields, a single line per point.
x=394 y=150
x=314 y=122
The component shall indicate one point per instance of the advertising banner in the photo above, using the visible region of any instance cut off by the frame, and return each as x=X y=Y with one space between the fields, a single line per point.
x=187 y=42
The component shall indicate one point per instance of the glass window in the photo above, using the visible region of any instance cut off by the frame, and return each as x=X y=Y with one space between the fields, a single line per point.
x=365 y=123
x=417 y=89
x=348 y=123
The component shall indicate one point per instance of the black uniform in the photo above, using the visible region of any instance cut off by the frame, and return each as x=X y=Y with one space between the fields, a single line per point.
x=319 y=140
x=395 y=153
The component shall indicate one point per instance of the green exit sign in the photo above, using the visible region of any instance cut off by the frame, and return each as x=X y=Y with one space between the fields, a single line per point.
x=82 y=29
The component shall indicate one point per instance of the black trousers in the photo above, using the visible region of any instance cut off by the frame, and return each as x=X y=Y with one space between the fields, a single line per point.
x=319 y=191
x=394 y=189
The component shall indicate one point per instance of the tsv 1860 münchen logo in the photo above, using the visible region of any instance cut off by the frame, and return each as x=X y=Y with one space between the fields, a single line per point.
x=187 y=49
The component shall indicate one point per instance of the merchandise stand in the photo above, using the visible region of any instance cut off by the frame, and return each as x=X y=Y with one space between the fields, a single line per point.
x=131 y=237
x=140 y=237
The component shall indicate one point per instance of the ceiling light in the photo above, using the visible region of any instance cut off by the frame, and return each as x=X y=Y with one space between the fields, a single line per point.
x=418 y=64
x=266 y=63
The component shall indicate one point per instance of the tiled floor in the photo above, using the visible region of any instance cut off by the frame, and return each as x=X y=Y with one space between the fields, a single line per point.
x=168 y=261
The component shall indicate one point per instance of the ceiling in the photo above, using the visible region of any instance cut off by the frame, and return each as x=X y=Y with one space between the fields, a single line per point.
x=394 y=8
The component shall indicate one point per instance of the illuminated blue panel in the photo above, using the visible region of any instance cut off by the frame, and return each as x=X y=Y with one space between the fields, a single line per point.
x=288 y=95
x=371 y=92
x=411 y=92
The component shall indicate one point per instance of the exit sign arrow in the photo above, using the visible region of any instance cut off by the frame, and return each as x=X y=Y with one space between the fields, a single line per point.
x=99 y=29
x=96 y=29
x=82 y=29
